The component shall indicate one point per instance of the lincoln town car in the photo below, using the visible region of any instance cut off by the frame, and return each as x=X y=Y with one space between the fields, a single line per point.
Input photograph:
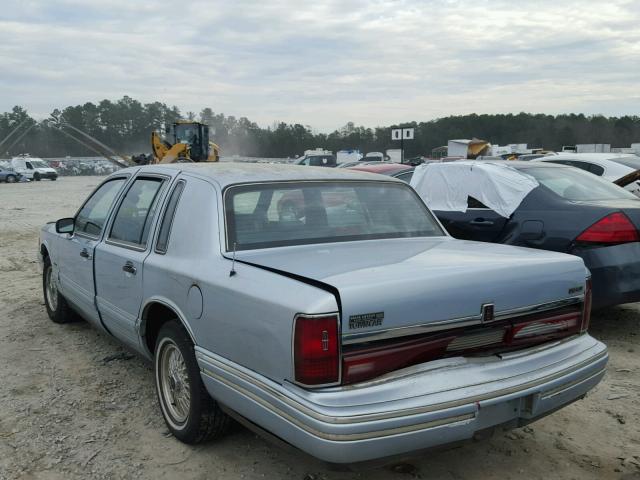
x=352 y=327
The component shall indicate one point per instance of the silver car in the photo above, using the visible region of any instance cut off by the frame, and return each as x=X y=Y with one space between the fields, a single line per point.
x=328 y=307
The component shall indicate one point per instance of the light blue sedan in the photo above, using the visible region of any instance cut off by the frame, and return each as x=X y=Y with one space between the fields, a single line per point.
x=328 y=307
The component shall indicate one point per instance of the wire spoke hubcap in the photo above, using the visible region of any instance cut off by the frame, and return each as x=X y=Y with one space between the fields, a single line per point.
x=174 y=383
x=51 y=290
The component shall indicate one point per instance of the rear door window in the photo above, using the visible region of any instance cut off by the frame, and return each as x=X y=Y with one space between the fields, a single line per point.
x=133 y=220
x=167 y=219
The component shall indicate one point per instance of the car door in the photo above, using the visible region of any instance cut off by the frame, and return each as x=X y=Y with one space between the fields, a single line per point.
x=477 y=223
x=120 y=257
x=75 y=251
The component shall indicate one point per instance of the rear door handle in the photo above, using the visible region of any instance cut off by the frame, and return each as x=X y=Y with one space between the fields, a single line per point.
x=129 y=268
x=482 y=222
x=85 y=253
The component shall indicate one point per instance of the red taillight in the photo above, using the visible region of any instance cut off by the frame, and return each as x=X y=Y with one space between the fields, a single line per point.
x=612 y=229
x=372 y=362
x=586 y=307
x=316 y=350
x=547 y=326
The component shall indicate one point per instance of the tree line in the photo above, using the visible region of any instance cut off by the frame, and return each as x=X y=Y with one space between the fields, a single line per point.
x=125 y=125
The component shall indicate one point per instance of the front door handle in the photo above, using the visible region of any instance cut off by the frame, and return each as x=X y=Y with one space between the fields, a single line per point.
x=85 y=253
x=129 y=268
x=482 y=222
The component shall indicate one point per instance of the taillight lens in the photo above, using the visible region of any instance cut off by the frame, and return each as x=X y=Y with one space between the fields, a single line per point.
x=316 y=350
x=612 y=229
x=586 y=308
x=559 y=323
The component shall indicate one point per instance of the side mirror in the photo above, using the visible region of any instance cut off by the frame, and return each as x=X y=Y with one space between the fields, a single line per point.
x=65 y=225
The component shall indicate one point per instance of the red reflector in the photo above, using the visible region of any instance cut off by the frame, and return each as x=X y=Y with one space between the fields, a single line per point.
x=612 y=229
x=316 y=350
x=586 y=308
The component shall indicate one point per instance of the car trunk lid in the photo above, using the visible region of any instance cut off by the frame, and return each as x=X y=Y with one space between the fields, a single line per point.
x=400 y=285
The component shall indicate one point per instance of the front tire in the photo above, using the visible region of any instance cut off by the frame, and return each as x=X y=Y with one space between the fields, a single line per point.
x=10 y=179
x=36 y=177
x=190 y=413
x=57 y=307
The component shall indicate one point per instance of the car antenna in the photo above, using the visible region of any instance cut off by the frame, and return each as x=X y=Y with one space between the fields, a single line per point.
x=233 y=261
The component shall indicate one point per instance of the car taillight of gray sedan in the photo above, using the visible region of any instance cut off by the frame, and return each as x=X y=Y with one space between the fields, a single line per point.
x=325 y=306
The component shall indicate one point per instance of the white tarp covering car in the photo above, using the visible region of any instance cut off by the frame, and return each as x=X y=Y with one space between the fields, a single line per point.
x=448 y=188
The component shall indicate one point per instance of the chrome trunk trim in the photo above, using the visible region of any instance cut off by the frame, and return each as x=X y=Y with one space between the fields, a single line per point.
x=438 y=325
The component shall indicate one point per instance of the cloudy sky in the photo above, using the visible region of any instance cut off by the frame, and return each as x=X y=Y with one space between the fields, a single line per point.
x=324 y=63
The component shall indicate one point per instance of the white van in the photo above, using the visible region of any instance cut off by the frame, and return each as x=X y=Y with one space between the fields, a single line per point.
x=33 y=168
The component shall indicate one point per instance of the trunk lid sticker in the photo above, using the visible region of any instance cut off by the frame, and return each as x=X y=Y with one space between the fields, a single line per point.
x=366 y=320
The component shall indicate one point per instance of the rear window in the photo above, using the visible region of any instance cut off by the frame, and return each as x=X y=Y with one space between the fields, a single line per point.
x=633 y=162
x=577 y=185
x=282 y=214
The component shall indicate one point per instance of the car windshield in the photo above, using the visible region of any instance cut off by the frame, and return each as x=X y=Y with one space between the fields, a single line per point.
x=283 y=214
x=39 y=164
x=633 y=162
x=577 y=185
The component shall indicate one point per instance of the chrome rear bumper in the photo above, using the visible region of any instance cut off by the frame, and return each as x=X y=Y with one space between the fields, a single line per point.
x=421 y=407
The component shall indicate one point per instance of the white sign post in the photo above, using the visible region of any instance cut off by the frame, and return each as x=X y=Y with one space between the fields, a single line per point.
x=402 y=134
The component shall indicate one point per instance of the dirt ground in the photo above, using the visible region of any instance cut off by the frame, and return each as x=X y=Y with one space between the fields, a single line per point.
x=75 y=404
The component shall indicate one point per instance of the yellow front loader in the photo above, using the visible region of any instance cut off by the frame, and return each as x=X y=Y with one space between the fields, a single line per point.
x=185 y=142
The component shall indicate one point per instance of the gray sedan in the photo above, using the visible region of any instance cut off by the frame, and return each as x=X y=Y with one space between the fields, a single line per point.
x=325 y=306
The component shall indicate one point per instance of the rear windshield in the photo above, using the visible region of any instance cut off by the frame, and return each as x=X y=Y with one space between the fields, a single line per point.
x=577 y=185
x=633 y=162
x=282 y=214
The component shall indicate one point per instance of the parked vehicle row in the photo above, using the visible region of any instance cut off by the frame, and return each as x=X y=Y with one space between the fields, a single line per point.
x=353 y=327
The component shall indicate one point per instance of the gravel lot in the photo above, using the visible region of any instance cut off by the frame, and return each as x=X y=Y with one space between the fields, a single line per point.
x=75 y=404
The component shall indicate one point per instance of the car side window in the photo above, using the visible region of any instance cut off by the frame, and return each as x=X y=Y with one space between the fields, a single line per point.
x=474 y=203
x=167 y=219
x=581 y=165
x=405 y=177
x=92 y=216
x=596 y=169
x=133 y=219
x=29 y=166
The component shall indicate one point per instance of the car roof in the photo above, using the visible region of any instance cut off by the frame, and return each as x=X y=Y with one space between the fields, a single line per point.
x=517 y=164
x=229 y=173
x=383 y=168
x=589 y=156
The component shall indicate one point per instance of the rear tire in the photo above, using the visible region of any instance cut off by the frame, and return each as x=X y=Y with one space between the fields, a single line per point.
x=57 y=307
x=10 y=179
x=190 y=413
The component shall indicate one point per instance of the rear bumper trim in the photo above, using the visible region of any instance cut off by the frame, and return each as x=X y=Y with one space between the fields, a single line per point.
x=346 y=437
x=394 y=413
